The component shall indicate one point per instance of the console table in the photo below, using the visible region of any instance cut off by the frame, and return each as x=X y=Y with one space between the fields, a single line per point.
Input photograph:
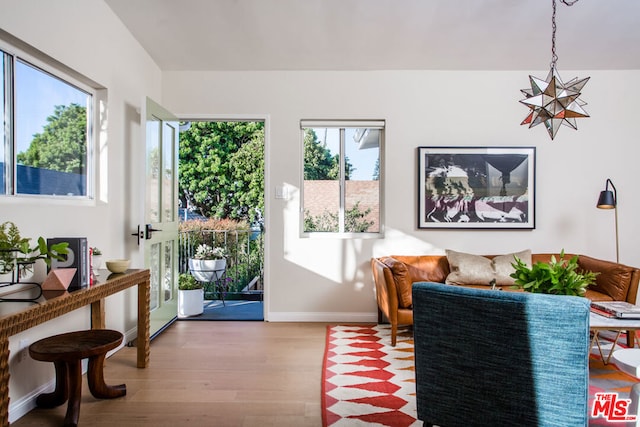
x=16 y=317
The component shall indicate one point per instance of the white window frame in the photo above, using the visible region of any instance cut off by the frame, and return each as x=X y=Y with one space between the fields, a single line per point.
x=14 y=49
x=342 y=125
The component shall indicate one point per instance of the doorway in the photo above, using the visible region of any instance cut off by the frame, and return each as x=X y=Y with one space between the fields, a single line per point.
x=221 y=208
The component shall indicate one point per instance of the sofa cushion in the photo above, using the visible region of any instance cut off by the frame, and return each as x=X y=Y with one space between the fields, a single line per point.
x=468 y=269
x=613 y=279
x=401 y=279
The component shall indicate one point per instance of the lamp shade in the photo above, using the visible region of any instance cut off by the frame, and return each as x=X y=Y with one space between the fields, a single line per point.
x=606 y=200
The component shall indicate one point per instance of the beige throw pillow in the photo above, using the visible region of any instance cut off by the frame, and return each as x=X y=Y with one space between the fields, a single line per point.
x=468 y=269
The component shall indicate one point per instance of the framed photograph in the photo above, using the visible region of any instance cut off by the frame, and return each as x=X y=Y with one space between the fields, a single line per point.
x=476 y=187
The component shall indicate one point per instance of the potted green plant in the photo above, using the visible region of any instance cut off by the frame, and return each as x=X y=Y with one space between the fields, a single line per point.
x=208 y=264
x=17 y=256
x=190 y=296
x=96 y=260
x=558 y=277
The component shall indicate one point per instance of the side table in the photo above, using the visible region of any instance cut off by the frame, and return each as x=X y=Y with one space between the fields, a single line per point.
x=599 y=323
x=628 y=360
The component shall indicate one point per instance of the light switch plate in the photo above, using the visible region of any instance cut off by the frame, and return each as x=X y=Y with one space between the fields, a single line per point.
x=282 y=192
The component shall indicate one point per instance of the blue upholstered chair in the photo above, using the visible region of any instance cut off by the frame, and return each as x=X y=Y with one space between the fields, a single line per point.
x=498 y=358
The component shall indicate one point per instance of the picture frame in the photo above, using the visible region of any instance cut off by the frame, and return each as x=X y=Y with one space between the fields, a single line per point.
x=476 y=187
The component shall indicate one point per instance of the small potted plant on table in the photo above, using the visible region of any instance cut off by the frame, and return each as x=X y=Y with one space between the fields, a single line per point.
x=17 y=256
x=190 y=296
x=96 y=260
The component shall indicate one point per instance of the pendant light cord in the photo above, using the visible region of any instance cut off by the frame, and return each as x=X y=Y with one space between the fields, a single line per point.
x=554 y=57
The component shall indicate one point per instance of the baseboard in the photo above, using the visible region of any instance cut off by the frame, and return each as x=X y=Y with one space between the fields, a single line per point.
x=22 y=406
x=326 y=317
x=130 y=335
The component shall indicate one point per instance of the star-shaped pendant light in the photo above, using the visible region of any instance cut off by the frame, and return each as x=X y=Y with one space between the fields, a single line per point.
x=552 y=101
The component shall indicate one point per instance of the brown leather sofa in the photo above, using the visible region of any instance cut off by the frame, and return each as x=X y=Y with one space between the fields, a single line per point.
x=394 y=276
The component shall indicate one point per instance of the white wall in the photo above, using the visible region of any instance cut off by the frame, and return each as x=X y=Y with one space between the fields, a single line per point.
x=86 y=36
x=327 y=279
x=330 y=279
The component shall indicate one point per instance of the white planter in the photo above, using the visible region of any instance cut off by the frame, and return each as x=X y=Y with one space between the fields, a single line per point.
x=207 y=270
x=191 y=302
x=96 y=262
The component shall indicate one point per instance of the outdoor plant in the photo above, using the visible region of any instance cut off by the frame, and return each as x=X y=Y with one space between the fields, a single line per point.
x=355 y=220
x=558 y=277
x=205 y=251
x=16 y=251
x=187 y=282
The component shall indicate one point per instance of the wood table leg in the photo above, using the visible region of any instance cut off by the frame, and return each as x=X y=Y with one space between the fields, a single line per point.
x=95 y=378
x=75 y=393
x=4 y=380
x=61 y=393
x=144 y=298
x=97 y=315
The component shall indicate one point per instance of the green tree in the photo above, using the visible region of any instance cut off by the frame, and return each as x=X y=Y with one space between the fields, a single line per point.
x=319 y=163
x=216 y=168
x=62 y=146
x=247 y=171
x=376 y=170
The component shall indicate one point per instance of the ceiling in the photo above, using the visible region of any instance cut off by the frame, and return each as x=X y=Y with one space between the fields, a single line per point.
x=383 y=34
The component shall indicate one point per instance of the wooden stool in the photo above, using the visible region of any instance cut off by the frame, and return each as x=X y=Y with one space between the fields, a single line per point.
x=66 y=351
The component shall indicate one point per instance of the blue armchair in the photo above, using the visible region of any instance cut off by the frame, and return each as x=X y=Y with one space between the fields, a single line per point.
x=495 y=358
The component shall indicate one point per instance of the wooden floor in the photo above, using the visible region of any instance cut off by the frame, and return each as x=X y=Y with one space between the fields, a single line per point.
x=211 y=374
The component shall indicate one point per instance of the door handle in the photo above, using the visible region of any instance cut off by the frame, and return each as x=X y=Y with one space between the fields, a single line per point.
x=139 y=234
x=148 y=231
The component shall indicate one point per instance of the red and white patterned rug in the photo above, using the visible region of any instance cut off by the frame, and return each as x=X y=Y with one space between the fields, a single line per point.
x=365 y=380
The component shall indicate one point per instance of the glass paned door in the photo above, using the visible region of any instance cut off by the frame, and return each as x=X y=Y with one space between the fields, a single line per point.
x=161 y=221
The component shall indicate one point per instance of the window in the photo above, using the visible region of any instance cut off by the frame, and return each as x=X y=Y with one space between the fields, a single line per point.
x=47 y=128
x=342 y=174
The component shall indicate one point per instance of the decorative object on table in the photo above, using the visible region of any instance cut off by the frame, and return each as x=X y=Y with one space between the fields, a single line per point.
x=96 y=260
x=609 y=200
x=558 y=277
x=552 y=101
x=17 y=256
x=208 y=264
x=616 y=309
x=190 y=296
x=476 y=187
x=118 y=265
x=78 y=257
x=58 y=279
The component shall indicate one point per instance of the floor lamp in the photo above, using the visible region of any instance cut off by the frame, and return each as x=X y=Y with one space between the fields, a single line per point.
x=609 y=200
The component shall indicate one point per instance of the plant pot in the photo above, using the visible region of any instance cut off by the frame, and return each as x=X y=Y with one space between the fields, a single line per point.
x=207 y=270
x=191 y=302
x=96 y=264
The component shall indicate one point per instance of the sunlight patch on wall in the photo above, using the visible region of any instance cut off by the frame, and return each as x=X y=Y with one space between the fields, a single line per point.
x=339 y=259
